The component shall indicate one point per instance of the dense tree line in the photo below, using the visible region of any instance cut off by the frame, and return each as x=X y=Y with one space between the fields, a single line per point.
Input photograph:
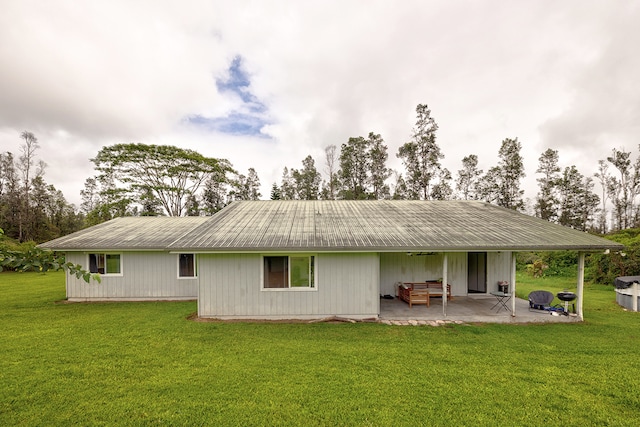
x=139 y=179
x=565 y=197
x=31 y=209
x=131 y=179
x=358 y=170
x=568 y=197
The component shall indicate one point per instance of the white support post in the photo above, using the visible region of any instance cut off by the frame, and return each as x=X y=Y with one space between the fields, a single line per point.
x=634 y=295
x=580 y=288
x=444 y=285
x=513 y=284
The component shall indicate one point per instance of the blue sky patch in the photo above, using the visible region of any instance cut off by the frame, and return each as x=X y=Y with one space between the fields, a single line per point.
x=233 y=124
x=249 y=118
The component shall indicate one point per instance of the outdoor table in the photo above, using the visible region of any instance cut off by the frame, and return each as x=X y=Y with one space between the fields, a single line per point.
x=502 y=298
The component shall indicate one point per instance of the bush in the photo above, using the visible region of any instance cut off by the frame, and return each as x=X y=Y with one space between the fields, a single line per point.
x=537 y=268
x=604 y=268
x=9 y=244
x=29 y=257
x=540 y=264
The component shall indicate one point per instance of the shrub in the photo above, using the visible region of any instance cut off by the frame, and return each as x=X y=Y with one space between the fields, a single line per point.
x=537 y=268
x=540 y=264
x=604 y=268
x=29 y=257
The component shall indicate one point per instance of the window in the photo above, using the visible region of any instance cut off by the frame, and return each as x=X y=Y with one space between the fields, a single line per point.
x=186 y=265
x=282 y=272
x=104 y=263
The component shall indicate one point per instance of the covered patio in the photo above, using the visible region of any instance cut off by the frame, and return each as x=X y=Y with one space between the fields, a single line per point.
x=480 y=308
x=491 y=304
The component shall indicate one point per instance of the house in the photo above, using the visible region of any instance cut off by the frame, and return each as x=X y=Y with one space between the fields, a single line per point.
x=313 y=259
x=131 y=256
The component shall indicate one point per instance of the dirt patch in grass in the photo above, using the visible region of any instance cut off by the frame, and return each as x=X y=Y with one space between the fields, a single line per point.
x=334 y=319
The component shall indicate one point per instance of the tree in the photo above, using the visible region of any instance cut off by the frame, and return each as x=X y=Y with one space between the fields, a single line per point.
x=90 y=195
x=589 y=207
x=246 y=187
x=468 y=178
x=27 y=159
x=501 y=184
x=287 y=188
x=489 y=185
x=546 y=206
x=38 y=227
x=192 y=206
x=603 y=178
x=253 y=185
x=330 y=189
x=399 y=187
x=6 y=162
x=171 y=173
x=275 y=192
x=577 y=201
x=151 y=206
x=214 y=195
x=307 y=180
x=26 y=163
x=421 y=156
x=9 y=196
x=51 y=216
x=61 y=216
x=624 y=189
x=512 y=172
x=378 y=170
x=442 y=190
x=31 y=209
x=106 y=200
x=363 y=169
x=354 y=168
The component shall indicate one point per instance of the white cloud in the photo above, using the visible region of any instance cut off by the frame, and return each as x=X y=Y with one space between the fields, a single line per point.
x=122 y=70
x=82 y=75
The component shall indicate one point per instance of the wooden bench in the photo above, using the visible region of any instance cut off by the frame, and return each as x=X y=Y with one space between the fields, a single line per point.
x=421 y=292
x=413 y=295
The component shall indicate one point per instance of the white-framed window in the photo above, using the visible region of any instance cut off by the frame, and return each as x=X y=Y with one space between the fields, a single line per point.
x=288 y=272
x=187 y=267
x=105 y=263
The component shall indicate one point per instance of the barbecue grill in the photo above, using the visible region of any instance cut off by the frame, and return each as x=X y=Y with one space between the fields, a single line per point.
x=567 y=297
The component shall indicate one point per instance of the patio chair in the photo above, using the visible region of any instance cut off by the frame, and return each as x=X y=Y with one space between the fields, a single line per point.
x=540 y=300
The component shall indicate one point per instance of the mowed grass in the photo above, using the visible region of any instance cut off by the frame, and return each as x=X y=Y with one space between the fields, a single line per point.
x=147 y=364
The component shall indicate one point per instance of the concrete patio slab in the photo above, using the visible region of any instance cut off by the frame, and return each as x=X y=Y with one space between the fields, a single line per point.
x=475 y=308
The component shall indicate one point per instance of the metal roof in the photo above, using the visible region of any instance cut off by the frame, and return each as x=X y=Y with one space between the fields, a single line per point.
x=128 y=233
x=382 y=226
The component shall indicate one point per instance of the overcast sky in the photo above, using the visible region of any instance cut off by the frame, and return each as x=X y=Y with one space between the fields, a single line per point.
x=266 y=83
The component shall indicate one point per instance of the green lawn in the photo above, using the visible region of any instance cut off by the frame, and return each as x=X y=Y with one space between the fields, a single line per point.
x=145 y=363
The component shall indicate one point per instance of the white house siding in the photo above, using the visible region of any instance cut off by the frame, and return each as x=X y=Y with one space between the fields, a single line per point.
x=457 y=272
x=498 y=269
x=399 y=267
x=145 y=276
x=231 y=287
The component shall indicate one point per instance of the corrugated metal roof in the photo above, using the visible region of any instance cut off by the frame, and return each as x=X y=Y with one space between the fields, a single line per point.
x=398 y=225
x=128 y=233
